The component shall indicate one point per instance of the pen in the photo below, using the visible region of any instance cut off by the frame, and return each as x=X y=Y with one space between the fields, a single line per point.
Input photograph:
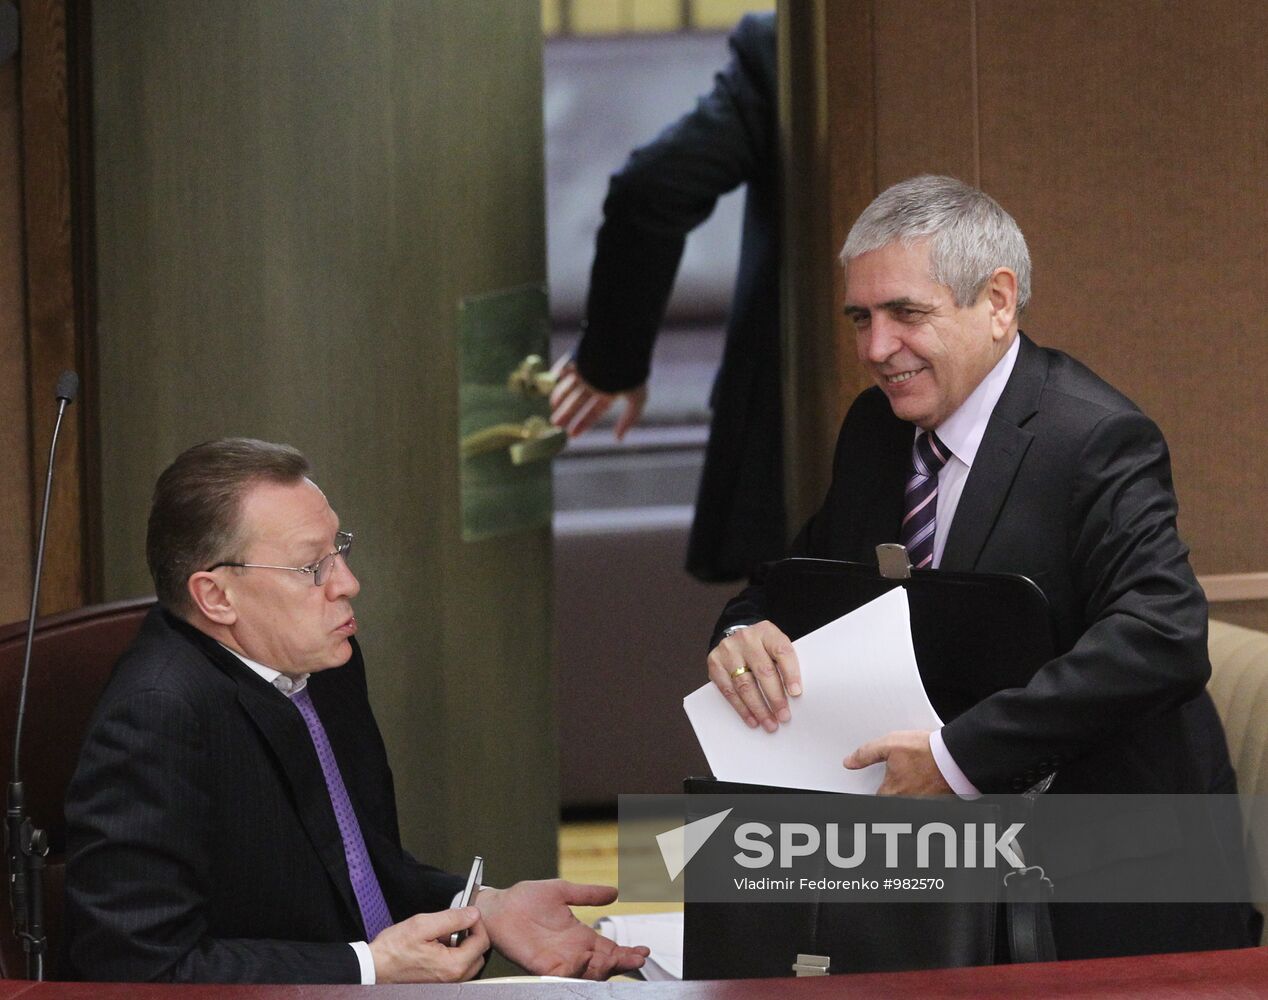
x=473 y=881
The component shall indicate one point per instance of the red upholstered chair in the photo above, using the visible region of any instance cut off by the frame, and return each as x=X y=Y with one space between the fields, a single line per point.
x=71 y=660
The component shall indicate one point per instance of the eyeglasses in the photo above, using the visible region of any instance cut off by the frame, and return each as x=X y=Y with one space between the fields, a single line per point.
x=320 y=570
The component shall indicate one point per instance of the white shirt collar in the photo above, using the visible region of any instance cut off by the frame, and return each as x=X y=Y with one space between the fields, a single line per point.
x=289 y=686
x=963 y=431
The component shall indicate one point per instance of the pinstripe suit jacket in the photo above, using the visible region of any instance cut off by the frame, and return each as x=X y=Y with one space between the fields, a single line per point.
x=201 y=841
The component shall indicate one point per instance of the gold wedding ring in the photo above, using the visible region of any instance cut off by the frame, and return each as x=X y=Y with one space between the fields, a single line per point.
x=738 y=671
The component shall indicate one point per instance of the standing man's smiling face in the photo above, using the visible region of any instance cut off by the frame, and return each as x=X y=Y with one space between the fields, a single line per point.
x=926 y=353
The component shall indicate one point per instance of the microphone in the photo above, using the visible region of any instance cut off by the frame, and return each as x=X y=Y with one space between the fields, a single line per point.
x=67 y=386
x=26 y=846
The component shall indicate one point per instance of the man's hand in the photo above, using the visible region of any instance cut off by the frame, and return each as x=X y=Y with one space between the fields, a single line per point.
x=575 y=404
x=417 y=950
x=909 y=765
x=530 y=924
x=757 y=693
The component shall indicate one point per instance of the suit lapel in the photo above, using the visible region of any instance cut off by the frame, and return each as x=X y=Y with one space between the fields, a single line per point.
x=998 y=458
x=883 y=509
x=282 y=728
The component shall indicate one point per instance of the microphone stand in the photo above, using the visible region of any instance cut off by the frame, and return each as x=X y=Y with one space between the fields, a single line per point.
x=27 y=846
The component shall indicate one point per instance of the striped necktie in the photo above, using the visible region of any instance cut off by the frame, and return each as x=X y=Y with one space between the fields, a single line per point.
x=921 y=502
x=365 y=885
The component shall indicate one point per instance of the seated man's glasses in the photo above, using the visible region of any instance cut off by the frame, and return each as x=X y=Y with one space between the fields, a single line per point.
x=320 y=570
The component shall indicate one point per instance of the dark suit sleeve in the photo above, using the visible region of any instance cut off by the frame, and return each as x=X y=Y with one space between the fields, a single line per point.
x=750 y=605
x=665 y=190
x=140 y=808
x=1142 y=650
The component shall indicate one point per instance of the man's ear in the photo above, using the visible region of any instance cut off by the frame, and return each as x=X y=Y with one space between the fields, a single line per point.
x=1001 y=294
x=211 y=598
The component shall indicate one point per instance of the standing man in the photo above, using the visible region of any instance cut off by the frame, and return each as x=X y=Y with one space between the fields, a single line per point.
x=232 y=817
x=981 y=451
x=664 y=191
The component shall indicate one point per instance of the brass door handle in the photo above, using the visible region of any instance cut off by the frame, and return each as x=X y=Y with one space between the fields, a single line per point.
x=532 y=378
x=533 y=440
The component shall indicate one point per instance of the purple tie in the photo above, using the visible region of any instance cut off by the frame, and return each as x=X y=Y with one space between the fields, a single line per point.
x=921 y=502
x=374 y=912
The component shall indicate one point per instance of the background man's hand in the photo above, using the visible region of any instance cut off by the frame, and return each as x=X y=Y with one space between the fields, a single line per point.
x=909 y=765
x=417 y=950
x=759 y=694
x=530 y=924
x=575 y=404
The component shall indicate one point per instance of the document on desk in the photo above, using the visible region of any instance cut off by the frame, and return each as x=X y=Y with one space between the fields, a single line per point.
x=860 y=682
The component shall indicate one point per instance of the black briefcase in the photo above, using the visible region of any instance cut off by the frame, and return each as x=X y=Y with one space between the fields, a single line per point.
x=973 y=634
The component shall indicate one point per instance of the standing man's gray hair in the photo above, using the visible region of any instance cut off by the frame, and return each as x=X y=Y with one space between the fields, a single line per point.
x=969 y=234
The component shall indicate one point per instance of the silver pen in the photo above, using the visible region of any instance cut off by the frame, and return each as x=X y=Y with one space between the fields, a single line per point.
x=474 y=877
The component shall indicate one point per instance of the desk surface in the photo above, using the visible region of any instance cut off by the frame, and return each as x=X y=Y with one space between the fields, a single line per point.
x=1157 y=977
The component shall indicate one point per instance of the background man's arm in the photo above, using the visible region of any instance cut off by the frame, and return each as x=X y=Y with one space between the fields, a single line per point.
x=664 y=191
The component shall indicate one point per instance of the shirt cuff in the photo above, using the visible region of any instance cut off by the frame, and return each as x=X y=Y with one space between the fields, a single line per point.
x=951 y=772
x=365 y=960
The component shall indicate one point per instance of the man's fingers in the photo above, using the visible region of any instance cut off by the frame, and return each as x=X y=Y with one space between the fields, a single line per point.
x=635 y=400
x=565 y=381
x=591 y=410
x=604 y=963
x=785 y=658
x=628 y=418
x=736 y=680
x=771 y=686
x=442 y=923
x=867 y=755
x=565 y=410
x=585 y=894
x=748 y=668
x=776 y=668
x=722 y=681
x=751 y=685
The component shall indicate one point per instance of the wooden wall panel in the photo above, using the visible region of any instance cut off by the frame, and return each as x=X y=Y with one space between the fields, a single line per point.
x=53 y=333
x=827 y=130
x=1130 y=139
x=15 y=484
x=924 y=91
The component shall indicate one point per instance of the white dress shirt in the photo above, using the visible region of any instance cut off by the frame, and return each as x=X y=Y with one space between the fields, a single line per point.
x=962 y=433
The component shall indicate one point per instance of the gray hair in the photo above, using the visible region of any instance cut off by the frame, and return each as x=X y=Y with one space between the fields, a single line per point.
x=971 y=235
x=194 y=518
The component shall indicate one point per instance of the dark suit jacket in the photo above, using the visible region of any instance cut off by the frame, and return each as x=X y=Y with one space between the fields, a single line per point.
x=202 y=843
x=665 y=190
x=1072 y=488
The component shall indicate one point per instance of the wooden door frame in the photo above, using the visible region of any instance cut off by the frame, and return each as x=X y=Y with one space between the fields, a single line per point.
x=58 y=252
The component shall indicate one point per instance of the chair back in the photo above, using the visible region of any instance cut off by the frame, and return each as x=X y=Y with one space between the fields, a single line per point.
x=1239 y=688
x=71 y=660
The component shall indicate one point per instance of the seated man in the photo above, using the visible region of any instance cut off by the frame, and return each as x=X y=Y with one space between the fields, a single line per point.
x=982 y=451
x=232 y=817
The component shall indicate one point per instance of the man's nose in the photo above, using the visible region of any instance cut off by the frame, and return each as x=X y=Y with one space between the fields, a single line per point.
x=880 y=343
x=343 y=583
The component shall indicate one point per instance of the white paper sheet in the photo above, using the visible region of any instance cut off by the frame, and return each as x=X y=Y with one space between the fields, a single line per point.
x=860 y=682
x=661 y=932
